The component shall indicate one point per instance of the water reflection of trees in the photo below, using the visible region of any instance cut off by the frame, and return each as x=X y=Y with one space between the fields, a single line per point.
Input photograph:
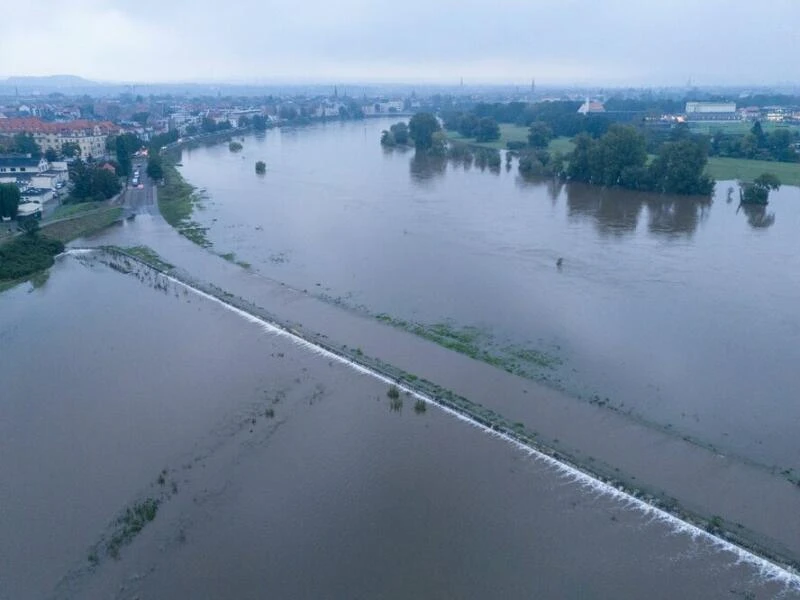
x=617 y=212
x=757 y=215
x=613 y=211
x=424 y=168
x=553 y=185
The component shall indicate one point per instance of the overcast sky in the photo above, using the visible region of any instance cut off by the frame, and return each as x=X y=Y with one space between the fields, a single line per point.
x=615 y=42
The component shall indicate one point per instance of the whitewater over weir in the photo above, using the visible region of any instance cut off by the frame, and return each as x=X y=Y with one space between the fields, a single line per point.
x=768 y=570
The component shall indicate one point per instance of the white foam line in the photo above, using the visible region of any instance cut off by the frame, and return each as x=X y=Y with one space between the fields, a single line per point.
x=766 y=569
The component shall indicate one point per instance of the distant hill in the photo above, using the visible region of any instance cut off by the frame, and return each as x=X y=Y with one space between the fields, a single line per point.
x=48 y=81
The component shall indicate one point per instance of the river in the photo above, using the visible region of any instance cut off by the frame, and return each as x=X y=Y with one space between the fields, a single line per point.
x=283 y=473
x=681 y=311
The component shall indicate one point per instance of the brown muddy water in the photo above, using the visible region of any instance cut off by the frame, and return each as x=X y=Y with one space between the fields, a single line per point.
x=281 y=472
x=681 y=311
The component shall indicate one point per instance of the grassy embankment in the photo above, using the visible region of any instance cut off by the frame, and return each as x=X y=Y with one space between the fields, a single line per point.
x=25 y=255
x=511 y=133
x=177 y=200
x=744 y=169
x=721 y=169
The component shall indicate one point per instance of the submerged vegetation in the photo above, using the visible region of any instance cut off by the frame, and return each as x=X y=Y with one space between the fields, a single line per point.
x=129 y=524
x=471 y=341
x=757 y=192
x=235 y=146
x=148 y=255
x=261 y=167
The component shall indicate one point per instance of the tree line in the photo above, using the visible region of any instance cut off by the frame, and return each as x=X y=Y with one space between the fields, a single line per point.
x=777 y=145
x=619 y=158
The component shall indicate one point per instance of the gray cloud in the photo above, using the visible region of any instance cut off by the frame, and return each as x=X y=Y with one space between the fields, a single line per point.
x=556 y=41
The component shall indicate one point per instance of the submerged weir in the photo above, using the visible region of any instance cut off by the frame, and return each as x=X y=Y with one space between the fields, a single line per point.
x=767 y=569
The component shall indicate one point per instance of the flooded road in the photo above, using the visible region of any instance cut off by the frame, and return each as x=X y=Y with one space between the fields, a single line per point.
x=283 y=473
x=677 y=310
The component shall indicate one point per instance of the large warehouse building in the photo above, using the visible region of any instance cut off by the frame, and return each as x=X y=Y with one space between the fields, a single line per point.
x=711 y=111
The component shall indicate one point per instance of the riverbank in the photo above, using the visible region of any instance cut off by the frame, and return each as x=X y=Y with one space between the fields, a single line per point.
x=23 y=256
x=721 y=169
x=176 y=202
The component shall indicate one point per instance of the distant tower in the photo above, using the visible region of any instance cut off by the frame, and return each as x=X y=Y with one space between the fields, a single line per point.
x=335 y=92
x=462 y=82
x=533 y=85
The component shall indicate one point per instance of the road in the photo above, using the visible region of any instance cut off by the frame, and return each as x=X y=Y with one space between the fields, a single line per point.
x=141 y=199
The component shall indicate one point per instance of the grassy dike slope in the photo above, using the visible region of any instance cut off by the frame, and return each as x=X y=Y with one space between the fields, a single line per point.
x=25 y=255
x=176 y=200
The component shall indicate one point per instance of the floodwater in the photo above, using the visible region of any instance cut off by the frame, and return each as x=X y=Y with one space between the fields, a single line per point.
x=283 y=473
x=681 y=311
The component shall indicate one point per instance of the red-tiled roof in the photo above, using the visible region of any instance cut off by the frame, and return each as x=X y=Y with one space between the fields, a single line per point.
x=34 y=125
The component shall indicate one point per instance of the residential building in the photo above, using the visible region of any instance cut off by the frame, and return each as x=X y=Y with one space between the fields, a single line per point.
x=89 y=135
x=16 y=164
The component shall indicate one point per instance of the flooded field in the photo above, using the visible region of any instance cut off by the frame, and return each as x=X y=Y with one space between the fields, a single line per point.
x=258 y=467
x=679 y=311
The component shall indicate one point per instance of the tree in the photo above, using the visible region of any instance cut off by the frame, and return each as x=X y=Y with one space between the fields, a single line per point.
x=621 y=147
x=488 y=130
x=400 y=133
x=580 y=168
x=287 y=112
x=387 y=139
x=779 y=143
x=155 y=168
x=680 y=169
x=259 y=122
x=539 y=135
x=757 y=192
x=30 y=226
x=25 y=144
x=51 y=155
x=208 y=125
x=123 y=157
x=126 y=145
x=421 y=129
x=261 y=167
x=758 y=132
x=105 y=184
x=244 y=121
x=9 y=200
x=191 y=130
x=141 y=118
x=468 y=125
x=70 y=149
x=81 y=178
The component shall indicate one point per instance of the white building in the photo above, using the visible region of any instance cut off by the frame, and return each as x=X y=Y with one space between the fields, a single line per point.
x=711 y=111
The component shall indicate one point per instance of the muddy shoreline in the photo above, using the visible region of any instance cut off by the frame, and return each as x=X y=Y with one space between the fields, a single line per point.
x=698 y=501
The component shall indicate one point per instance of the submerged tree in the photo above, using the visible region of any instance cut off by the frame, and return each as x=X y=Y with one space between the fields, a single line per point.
x=758 y=191
x=421 y=128
x=261 y=167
